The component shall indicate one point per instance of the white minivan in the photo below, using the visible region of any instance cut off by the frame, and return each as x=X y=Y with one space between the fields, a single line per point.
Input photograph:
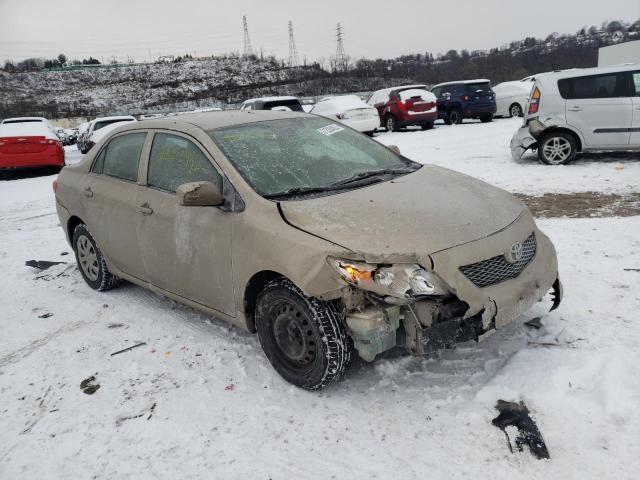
x=581 y=110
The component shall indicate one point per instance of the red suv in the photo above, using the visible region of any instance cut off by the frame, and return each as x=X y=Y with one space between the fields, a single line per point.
x=403 y=106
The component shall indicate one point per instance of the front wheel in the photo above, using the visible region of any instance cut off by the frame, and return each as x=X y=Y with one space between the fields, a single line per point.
x=455 y=117
x=557 y=148
x=91 y=263
x=303 y=338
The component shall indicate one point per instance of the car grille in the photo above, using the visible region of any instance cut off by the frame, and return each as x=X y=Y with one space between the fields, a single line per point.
x=498 y=269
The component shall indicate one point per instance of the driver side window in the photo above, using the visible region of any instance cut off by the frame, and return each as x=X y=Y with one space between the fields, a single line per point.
x=174 y=160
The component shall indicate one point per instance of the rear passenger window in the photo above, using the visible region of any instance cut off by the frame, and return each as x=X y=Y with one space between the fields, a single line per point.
x=594 y=86
x=122 y=156
x=175 y=160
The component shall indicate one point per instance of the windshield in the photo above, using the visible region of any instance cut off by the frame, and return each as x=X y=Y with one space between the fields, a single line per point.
x=302 y=153
x=478 y=87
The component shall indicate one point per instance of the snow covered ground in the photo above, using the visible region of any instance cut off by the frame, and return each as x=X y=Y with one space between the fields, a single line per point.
x=200 y=400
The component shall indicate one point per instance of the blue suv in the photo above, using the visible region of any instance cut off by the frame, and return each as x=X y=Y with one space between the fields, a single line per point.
x=465 y=99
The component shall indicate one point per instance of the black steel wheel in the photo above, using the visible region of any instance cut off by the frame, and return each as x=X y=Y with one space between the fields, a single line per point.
x=91 y=262
x=304 y=338
x=455 y=116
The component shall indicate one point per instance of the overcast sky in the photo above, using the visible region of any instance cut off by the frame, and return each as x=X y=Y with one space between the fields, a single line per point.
x=372 y=28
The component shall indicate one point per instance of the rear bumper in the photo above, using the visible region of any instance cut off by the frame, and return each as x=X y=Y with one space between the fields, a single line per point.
x=479 y=111
x=365 y=125
x=26 y=160
x=522 y=141
x=418 y=118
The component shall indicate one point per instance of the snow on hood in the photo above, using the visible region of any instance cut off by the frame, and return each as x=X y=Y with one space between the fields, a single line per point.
x=424 y=212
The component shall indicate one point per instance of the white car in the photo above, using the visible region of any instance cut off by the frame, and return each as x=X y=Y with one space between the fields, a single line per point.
x=91 y=135
x=285 y=104
x=23 y=120
x=594 y=109
x=511 y=98
x=350 y=110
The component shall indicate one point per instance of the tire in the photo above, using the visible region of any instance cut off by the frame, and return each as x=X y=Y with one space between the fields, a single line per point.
x=90 y=260
x=391 y=123
x=486 y=118
x=370 y=134
x=515 y=110
x=454 y=116
x=556 y=148
x=427 y=126
x=303 y=338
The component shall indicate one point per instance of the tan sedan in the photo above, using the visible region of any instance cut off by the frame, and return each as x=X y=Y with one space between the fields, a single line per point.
x=320 y=239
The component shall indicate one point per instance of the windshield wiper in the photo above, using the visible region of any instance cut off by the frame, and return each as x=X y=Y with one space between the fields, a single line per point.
x=356 y=180
x=373 y=173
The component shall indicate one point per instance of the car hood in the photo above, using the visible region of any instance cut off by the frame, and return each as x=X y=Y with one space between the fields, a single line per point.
x=427 y=211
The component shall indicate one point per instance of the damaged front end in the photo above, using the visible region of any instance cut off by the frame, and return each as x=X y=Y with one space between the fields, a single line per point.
x=464 y=294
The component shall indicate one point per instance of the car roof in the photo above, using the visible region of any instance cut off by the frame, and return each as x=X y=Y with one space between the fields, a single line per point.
x=403 y=87
x=270 y=99
x=580 y=72
x=29 y=119
x=213 y=120
x=463 y=82
x=117 y=117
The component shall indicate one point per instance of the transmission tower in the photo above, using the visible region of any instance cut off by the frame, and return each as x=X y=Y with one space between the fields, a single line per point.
x=341 y=57
x=293 y=51
x=248 y=50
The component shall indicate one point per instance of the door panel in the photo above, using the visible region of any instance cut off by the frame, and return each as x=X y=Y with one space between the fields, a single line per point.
x=185 y=250
x=109 y=196
x=111 y=217
x=603 y=122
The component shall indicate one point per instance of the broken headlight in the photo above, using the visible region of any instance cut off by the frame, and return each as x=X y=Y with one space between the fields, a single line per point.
x=400 y=280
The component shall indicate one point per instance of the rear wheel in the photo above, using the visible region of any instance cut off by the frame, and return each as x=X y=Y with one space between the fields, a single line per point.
x=455 y=117
x=391 y=123
x=427 y=126
x=486 y=118
x=303 y=337
x=91 y=263
x=557 y=148
x=515 y=110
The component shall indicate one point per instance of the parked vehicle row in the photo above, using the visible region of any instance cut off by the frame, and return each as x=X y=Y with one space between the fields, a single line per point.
x=575 y=111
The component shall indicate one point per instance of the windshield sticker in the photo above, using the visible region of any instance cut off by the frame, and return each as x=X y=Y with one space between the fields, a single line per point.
x=330 y=129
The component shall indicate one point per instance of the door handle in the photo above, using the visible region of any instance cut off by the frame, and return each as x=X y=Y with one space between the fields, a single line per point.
x=88 y=192
x=575 y=109
x=144 y=209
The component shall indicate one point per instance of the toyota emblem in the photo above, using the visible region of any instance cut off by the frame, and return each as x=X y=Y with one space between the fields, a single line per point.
x=515 y=252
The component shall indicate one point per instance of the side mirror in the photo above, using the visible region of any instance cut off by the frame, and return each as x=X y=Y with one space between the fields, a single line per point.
x=199 y=194
x=394 y=148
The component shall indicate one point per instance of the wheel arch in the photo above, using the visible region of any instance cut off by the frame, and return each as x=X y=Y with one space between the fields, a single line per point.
x=251 y=291
x=570 y=131
x=72 y=223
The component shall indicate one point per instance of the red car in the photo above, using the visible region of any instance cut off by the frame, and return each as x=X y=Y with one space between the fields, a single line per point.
x=403 y=106
x=29 y=142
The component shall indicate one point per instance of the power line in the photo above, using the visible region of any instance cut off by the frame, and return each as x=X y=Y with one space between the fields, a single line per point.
x=248 y=50
x=293 y=51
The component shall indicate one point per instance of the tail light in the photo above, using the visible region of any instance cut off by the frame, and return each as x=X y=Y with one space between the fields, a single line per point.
x=401 y=105
x=466 y=98
x=534 y=102
x=55 y=186
x=48 y=142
